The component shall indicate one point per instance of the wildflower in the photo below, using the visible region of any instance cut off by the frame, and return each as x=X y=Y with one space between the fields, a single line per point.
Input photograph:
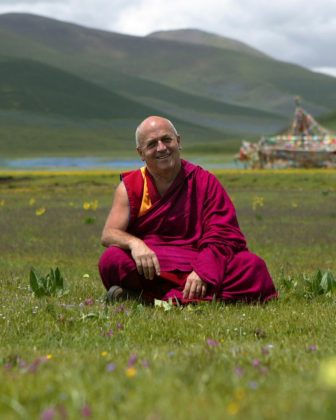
x=132 y=360
x=111 y=367
x=31 y=202
x=104 y=353
x=2 y=203
x=86 y=276
x=212 y=343
x=295 y=205
x=48 y=414
x=239 y=371
x=131 y=372
x=49 y=356
x=312 y=348
x=255 y=363
x=94 y=205
x=257 y=201
x=327 y=373
x=86 y=205
x=253 y=385
x=120 y=326
x=232 y=408
x=40 y=211
x=86 y=411
x=108 y=333
x=88 y=302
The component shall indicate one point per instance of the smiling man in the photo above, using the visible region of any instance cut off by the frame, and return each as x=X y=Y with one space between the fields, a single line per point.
x=172 y=232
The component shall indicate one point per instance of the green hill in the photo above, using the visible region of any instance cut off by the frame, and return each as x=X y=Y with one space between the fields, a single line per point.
x=196 y=36
x=228 y=76
x=26 y=85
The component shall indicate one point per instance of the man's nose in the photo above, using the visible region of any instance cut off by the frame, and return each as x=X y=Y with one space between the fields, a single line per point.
x=160 y=145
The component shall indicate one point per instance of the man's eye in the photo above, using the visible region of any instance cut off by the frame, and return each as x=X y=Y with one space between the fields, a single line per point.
x=151 y=145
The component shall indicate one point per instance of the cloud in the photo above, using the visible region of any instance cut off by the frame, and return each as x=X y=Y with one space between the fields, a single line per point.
x=291 y=30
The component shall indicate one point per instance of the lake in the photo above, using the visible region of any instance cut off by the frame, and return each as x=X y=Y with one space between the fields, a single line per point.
x=68 y=163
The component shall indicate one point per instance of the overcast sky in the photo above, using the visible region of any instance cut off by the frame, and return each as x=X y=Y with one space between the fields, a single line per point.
x=299 y=31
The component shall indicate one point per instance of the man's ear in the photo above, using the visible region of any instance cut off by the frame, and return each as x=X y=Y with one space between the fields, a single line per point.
x=178 y=138
x=140 y=153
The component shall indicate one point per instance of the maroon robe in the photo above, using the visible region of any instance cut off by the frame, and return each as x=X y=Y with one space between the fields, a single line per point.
x=192 y=227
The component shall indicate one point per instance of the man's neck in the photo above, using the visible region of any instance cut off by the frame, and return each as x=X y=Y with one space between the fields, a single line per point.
x=164 y=179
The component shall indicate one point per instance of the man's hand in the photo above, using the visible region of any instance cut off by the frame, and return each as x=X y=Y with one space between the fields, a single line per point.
x=145 y=259
x=195 y=287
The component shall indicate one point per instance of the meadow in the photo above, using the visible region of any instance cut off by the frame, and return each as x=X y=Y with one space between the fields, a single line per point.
x=72 y=357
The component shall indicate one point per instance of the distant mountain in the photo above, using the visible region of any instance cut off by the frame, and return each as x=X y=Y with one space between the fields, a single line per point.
x=214 y=88
x=196 y=36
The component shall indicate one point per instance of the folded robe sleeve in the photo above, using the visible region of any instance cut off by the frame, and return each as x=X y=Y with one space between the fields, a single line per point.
x=221 y=235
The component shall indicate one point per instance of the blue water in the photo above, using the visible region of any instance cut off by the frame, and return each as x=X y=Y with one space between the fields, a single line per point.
x=55 y=163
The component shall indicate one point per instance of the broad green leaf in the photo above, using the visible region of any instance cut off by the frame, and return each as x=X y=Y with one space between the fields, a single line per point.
x=33 y=280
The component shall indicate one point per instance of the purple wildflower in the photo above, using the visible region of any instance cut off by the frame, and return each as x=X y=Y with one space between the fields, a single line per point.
x=239 y=371
x=48 y=414
x=88 y=301
x=120 y=326
x=253 y=385
x=109 y=333
x=212 y=343
x=111 y=367
x=86 y=411
x=255 y=363
x=312 y=348
x=132 y=360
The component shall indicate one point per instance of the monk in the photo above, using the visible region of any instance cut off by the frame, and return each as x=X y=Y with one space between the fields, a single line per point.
x=172 y=232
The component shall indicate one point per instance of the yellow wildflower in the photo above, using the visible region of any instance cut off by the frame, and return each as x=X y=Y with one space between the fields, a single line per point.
x=257 y=201
x=131 y=372
x=86 y=205
x=239 y=393
x=49 y=356
x=104 y=353
x=94 y=205
x=40 y=211
x=327 y=374
x=232 y=408
x=32 y=201
x=2 y=203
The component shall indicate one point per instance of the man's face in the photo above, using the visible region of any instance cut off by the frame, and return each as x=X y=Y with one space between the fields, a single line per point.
x=159 y=147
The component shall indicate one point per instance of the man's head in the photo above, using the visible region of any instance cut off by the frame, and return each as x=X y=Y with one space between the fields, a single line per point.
x=158 y=144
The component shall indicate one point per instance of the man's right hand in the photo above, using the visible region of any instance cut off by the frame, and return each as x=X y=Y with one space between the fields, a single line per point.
x=145 y=259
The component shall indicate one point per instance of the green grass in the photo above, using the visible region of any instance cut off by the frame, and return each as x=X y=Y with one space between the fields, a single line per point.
x=263 y=364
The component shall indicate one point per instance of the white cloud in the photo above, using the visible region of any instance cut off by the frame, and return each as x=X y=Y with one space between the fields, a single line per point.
x=291 y=30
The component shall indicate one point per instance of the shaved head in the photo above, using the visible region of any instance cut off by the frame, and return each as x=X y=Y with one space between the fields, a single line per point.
x=151 y=123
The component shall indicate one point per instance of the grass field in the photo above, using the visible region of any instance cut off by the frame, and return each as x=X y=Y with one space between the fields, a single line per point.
x=73 y=357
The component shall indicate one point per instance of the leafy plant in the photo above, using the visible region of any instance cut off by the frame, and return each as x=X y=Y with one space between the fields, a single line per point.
x=320 y=283
x=50 y=285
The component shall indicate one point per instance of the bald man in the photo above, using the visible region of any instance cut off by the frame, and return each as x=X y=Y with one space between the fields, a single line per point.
x=172 y=231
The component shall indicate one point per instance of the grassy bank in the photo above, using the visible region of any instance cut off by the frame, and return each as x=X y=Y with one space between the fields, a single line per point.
x=73 y=357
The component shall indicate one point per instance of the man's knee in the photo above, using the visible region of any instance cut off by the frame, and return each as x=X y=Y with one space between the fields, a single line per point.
x=250 y=261
x=113 y=262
